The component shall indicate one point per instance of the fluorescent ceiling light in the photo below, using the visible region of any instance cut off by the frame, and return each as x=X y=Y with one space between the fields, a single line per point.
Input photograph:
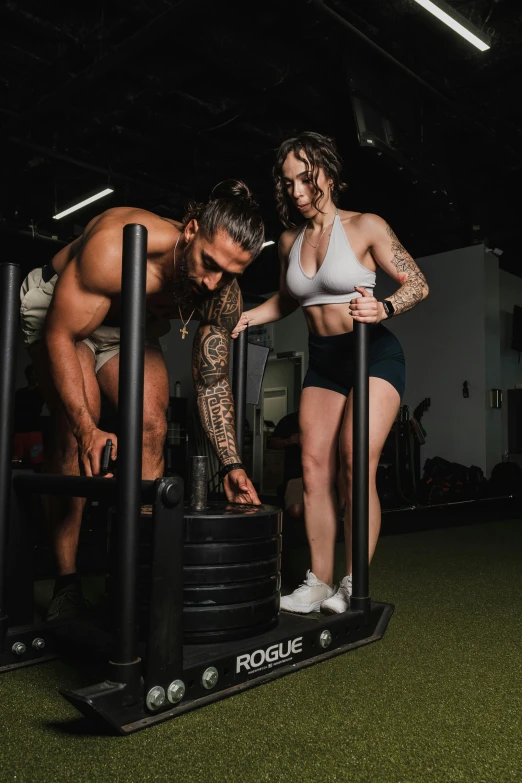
x=83 y=203
x=270 y=242
x=451 y=22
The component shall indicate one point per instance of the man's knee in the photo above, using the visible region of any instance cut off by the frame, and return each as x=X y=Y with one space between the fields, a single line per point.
x=154 y=428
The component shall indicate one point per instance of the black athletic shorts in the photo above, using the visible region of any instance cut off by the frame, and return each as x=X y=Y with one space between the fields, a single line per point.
x=331 y=362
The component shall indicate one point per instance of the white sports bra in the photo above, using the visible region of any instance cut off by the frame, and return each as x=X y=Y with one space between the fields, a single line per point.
x=336 y=278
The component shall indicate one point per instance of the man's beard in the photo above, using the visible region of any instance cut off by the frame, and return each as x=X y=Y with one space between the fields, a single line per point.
x=186 y=289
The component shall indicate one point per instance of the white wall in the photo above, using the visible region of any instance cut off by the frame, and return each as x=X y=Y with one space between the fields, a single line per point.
x=451 y=337
x=493 y=371
x=511 y=370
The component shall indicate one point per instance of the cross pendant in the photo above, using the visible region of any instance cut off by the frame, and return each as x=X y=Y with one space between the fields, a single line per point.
x=184 y=332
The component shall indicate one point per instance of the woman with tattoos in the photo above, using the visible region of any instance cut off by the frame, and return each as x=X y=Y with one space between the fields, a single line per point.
x=328 y=266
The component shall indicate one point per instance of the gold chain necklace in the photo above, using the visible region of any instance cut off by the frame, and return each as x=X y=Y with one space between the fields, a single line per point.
x=322 y=232
x=183 y=330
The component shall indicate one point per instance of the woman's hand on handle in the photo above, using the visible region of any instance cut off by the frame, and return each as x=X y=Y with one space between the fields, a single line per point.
x=275 y=308
x=240 y=326
x=366 y=309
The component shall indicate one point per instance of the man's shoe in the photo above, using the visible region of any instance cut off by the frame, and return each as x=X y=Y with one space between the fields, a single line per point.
x=67 y=604
x=340 y=602
x=308 y=597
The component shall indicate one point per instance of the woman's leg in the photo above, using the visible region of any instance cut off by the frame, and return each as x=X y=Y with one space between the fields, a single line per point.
x=320 y=417
x=384 y=406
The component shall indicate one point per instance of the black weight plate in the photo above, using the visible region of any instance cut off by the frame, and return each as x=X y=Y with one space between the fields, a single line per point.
x=212 y=637
x=230 y=572
x=240 y=592
x=217 y=510
x=231 y=528
x=216 y=514
x=220 y=618
x=237 y=552
x=220 y=574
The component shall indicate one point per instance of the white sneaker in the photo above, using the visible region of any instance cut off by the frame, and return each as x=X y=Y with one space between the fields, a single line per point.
x=308 y=597
x=340 y=602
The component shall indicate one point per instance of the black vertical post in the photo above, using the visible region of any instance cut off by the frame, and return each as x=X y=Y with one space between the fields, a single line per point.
x=125 y=663
x=239 y=381
x=164 y=662
x=360 y=599
x=10 y=279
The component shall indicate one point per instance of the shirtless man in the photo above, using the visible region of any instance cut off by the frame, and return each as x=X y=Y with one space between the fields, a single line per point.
x=70 y=314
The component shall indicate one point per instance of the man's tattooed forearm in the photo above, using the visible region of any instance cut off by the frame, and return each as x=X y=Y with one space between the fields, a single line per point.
x=414 y=286
x=216 y=411
x=210 y=368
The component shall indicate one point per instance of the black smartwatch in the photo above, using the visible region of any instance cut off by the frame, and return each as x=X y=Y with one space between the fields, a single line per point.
x=389 y=309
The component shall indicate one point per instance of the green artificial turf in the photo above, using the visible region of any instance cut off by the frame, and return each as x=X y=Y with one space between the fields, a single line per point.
x=437 y=699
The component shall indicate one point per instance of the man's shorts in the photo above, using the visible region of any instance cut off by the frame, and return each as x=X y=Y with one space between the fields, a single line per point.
x=35 y=297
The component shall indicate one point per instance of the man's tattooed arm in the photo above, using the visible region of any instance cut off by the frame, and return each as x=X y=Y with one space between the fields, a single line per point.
x=210 y=369
x=397 y=262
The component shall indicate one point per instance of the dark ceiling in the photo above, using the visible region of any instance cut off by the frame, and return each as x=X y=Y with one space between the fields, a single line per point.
x=161 y=99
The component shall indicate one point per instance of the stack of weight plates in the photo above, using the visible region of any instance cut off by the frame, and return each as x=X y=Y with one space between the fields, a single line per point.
x=231 y=573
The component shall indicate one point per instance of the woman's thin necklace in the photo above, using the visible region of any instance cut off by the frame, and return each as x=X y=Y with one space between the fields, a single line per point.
x=330 y=225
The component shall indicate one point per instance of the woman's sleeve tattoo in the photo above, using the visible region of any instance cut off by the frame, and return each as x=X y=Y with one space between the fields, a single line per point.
x=414 y=286
x=210 y=369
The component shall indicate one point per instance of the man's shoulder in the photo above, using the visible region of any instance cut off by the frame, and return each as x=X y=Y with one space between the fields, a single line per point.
x=113 y=221
x=102 y=242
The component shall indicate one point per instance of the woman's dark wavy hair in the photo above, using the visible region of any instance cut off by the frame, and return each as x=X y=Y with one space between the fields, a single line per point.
x=230 y=208
x=320 y=152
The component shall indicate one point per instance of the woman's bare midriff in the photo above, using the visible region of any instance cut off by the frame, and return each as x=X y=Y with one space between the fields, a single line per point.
x=327 y=320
